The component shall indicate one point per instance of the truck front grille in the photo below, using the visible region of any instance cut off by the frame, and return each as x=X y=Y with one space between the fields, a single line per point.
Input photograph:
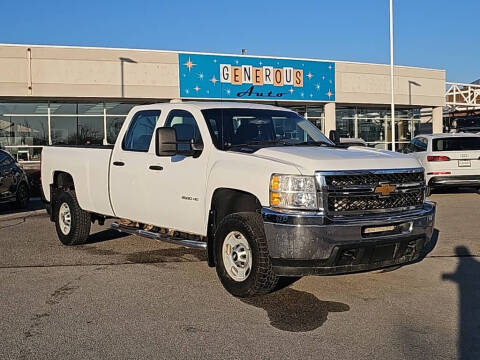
x=370 y=179
x=349 y=193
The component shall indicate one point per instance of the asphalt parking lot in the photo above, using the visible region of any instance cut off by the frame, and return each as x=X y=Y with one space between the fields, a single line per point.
x=125 y=297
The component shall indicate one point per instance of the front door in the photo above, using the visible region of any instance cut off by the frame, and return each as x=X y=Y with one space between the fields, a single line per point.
x=177 y=184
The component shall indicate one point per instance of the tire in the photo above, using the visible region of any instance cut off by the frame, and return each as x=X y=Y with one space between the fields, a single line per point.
x=22 y=196
x=233 y=232
x=66 y=205
x=428 y=191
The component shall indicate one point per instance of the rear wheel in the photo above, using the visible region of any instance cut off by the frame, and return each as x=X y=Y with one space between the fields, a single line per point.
x=71 y=222
x=22 y=196
x=242 y=259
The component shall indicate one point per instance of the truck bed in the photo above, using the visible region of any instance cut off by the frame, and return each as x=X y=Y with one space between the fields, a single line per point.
x=91 y=164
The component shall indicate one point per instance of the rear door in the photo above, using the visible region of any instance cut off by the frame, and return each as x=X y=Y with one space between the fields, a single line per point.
x=129 y=167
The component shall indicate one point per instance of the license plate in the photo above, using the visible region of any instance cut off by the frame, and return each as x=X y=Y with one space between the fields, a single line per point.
x=377 y=229
x=464 y=163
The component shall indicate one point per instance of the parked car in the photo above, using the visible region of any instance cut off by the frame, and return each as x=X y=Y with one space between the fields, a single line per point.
x=258 y=187
x=450 y=160
x=13 y=182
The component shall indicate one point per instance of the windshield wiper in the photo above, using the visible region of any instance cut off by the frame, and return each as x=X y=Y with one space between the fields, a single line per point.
x=284 y=142
x=256 y=143
x=315 y=143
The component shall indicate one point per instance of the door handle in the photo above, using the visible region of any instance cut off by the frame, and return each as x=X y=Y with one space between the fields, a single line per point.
x=118 y=163
x=155 y=167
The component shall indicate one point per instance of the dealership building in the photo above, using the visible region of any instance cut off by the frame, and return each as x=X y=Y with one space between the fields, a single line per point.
x=76 y=95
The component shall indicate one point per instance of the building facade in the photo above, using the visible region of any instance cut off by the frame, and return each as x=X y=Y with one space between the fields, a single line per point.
x=75 y=95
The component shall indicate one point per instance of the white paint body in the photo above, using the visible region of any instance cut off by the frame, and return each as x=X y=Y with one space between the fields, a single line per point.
x=137 y=193
x=448 y=168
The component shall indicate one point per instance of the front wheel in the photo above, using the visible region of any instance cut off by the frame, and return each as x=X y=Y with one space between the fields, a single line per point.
x=242 y=259
x=71 y=222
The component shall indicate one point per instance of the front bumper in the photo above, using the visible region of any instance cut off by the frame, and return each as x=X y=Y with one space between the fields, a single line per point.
x=314 y=244
x=454 y=180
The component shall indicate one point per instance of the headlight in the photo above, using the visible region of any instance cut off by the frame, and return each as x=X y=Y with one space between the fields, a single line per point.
x=293 y=192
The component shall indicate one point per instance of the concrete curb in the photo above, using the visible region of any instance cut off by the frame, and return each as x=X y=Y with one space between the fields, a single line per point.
x=21 y=215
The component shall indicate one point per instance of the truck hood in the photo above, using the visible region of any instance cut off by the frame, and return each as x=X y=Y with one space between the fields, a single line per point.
x=310 y=159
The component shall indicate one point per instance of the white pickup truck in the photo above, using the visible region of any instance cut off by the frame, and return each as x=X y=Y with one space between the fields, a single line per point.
x=258 y=187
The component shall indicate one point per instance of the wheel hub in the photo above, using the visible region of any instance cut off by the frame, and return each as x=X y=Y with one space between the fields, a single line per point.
x=65 y=218
x=237 y=256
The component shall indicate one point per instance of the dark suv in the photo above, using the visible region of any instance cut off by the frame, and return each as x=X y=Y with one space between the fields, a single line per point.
x=13 y=182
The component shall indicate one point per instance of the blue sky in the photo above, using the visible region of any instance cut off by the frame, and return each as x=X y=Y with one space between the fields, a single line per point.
x=428 y=33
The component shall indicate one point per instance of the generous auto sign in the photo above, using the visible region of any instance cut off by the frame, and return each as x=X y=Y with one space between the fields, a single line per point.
x=250 y=78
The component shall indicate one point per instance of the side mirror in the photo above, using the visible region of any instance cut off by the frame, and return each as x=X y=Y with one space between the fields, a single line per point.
x=334 y=137
x=165 y=141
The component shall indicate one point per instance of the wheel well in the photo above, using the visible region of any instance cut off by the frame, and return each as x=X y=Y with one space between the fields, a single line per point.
x=226 y=201
x=63 y=180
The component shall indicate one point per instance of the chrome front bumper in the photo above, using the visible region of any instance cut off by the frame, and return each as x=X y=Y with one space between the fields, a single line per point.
x=306 y=243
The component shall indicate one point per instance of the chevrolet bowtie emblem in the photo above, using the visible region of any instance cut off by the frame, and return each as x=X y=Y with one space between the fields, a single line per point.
x=385 y=189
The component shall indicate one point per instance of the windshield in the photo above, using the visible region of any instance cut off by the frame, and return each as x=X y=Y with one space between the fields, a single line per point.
x=456 y=144
x=255 y=128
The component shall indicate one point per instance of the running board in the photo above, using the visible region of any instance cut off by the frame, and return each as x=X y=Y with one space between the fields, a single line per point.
x=161 y=237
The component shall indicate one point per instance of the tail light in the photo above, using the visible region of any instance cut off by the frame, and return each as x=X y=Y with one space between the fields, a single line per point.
x=437 y=158
x=439 y=173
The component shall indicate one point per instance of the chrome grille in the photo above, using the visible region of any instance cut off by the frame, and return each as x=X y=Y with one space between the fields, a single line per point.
x=348 y=193
x=369 y=179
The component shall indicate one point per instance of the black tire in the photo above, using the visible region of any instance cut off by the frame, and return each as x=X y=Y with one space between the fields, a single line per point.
x=22 y=196
x=428 y=191
x=80 y=220
x=261 y=279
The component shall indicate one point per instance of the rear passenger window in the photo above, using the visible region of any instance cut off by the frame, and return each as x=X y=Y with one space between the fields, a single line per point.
x=140 y=131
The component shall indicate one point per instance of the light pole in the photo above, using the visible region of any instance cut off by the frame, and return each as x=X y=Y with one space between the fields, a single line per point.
x=392 y=107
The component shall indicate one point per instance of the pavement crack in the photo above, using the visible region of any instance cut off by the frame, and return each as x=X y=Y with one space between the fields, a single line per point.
x=62 y=292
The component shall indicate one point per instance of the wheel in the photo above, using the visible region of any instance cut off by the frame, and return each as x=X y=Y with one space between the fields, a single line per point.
x=71 y=222
x=22 y=196
x=242 y=259
x=428 y=191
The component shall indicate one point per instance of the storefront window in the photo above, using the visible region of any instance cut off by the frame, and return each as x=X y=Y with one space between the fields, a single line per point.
x=373 y=125
x=23 y=129
x=64 y=130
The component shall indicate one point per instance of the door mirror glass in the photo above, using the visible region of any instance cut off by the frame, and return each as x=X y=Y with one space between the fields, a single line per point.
x=165 y=141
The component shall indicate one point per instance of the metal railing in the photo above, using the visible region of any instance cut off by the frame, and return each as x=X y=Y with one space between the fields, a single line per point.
x=459 y=96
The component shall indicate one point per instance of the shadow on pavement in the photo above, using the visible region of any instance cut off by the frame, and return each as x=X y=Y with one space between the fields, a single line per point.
x=467 y=277
x=105 y=235
x=180 y=254
x=294 y=310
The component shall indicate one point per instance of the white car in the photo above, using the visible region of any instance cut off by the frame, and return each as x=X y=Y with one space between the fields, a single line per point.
x=450 y=160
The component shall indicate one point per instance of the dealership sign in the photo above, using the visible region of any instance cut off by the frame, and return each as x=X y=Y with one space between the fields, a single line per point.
x=250 y=78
